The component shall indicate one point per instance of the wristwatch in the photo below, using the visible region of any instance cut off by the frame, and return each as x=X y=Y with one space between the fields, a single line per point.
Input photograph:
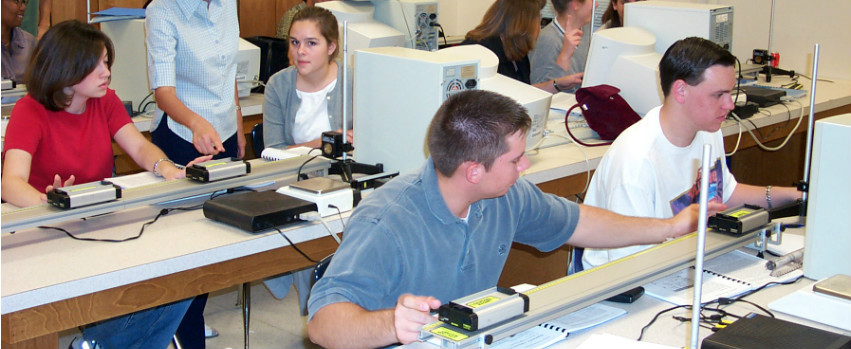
x=555 y=86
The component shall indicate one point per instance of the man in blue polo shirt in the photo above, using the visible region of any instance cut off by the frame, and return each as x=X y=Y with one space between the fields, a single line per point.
x=444 y=232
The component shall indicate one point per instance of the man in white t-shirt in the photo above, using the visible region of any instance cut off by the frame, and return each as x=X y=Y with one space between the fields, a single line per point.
x=653 y=168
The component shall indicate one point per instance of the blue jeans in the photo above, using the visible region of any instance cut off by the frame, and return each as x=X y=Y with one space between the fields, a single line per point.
x=145 y=329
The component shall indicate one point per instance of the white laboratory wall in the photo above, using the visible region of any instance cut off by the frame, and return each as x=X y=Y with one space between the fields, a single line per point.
x=798 y=26
x=460 y=16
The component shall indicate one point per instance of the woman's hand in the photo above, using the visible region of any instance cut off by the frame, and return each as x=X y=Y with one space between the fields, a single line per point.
x=569 y=81
x=57 y=183
x=171 y=171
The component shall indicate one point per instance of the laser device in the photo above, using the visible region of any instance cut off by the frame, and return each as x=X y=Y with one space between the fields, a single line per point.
x=83 y=194
x=214 y=170
x=739 y=220
x=483 y=309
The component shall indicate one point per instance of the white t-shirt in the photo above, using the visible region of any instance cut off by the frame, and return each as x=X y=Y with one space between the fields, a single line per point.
x=643 y=174
x=312 y=116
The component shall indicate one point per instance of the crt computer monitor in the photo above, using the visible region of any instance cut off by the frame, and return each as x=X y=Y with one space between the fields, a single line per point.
x=363 y=30
x=536 y=101
x=625 y=58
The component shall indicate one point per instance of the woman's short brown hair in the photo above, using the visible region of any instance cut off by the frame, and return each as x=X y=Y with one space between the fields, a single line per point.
x=67 y=53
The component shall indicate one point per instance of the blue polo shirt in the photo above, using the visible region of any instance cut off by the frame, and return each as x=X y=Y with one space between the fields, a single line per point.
x=403 y=239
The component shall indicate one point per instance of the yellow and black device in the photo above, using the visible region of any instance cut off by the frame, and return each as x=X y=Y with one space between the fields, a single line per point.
x=483 y=309
x=214 y=170
x=739 y=220
x=83 y=194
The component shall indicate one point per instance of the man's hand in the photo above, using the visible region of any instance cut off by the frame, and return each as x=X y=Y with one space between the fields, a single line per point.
x=685 y=222
x=205 y=138
x=411 y=314
x=350 y=135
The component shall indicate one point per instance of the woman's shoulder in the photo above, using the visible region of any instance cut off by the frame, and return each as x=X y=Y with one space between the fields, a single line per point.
x=109 y=98
x=286 y=74
x=24 y=38
x=27 y=106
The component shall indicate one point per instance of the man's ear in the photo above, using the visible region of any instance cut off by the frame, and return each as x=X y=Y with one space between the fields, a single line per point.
x=679 y=91
x=473 y=171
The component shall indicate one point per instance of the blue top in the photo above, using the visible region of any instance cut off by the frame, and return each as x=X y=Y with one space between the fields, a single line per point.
x=17 y=56
x=193 y=47
x=403 y=239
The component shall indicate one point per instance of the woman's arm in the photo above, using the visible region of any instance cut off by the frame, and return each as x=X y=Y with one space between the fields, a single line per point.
x=16 y=189
x=561 y=83
x=146 y=154
x=572 y=38
x=44 y=9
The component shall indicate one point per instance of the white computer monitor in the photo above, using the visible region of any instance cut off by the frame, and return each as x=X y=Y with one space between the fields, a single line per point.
x=413 y=18
x=829 y=200
x=363 y=30
x=625 y=58
x=670 y=21
x=397 y=90
x=536 y=101
x=247 y=67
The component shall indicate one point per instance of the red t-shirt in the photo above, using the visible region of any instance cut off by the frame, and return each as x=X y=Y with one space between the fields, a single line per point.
x=64 y=143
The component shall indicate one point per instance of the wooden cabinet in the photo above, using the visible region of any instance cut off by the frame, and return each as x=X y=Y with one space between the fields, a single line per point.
x=256 y=17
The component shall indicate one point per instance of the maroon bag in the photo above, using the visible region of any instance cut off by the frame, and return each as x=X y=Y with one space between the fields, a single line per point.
x=605 y=111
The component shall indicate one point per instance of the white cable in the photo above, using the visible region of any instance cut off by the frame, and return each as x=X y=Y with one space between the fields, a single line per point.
x=587 y=162
x=789 y=136
x=550 y=133
x=738 y=139
x=330 y=231
x=314 y=216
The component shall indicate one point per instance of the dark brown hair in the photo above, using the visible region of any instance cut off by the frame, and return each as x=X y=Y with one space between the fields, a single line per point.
x=473 y=126
x=612 y=15
x=514 y=22
x=688 y=59
x=67 y=53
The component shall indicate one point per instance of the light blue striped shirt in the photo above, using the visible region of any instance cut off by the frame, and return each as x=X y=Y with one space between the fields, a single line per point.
x=193 y=47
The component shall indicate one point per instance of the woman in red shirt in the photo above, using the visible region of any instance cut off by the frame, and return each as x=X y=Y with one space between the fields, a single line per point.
x=61 y=132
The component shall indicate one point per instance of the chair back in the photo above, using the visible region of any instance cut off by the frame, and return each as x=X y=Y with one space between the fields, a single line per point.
x=320 y=267
x=257 y=139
